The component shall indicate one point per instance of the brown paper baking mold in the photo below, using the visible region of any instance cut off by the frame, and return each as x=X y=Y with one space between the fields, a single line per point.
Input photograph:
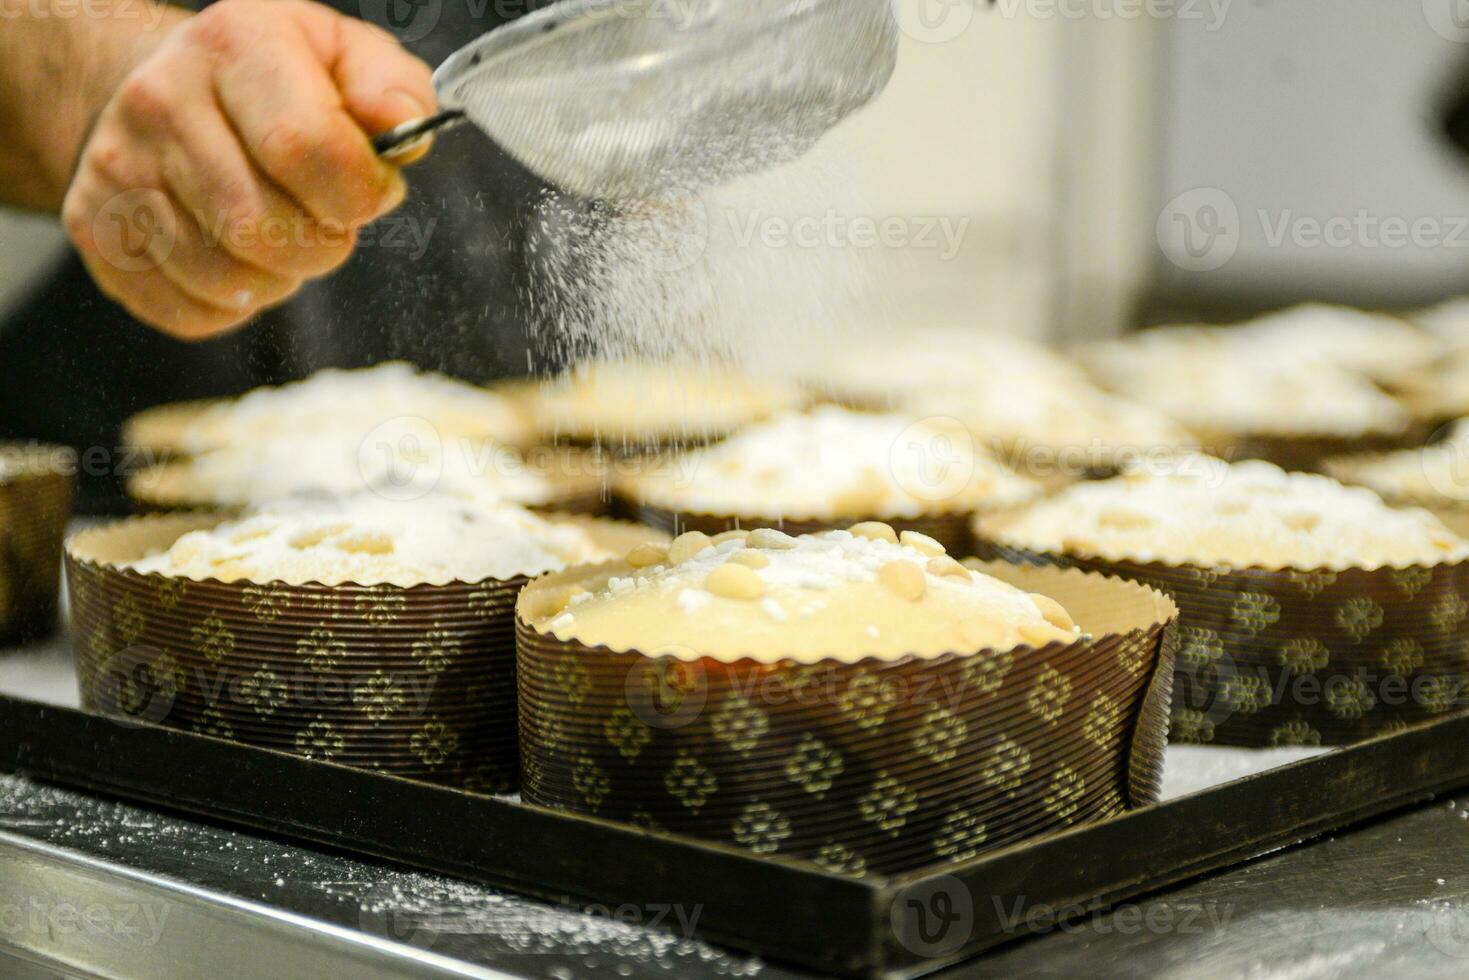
x=578 y=480
x=413 y=680
x=1310 y=453
x=35 y=504
x=874 y=766
x=1272 y=657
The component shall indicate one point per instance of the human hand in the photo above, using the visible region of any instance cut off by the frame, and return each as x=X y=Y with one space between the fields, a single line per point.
x=234 y=161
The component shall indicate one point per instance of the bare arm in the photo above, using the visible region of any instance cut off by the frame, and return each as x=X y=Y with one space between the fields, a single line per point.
x=205 y=165
x=60 y=62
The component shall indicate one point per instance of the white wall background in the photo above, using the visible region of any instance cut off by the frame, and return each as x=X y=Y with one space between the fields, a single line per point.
x=1319 y=109
x=1036 y=122
x=1058 y=138
x=970 y=132
x=965 y=132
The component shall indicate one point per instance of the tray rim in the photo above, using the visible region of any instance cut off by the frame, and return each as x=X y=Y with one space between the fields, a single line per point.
x=829 y=922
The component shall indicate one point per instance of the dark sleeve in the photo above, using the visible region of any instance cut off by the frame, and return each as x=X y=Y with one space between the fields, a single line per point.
x=76 y=365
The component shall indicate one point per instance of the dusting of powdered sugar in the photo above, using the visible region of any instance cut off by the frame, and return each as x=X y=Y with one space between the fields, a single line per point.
x=370 y=540
x=799 y=570
x=738 y=273
x=340 y=463
x=1197 y=509
x=831 y=461
x=354 y=403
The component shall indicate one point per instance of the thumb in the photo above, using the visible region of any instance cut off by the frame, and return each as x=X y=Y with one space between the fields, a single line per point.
x=382 y=85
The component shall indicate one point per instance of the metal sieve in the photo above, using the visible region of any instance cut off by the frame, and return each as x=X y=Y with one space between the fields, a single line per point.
x=635 y=99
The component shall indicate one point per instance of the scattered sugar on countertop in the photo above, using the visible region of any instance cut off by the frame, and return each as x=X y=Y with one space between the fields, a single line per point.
x=1200 y=509
x=474 y=923
x=834 y=462
x=370 y=540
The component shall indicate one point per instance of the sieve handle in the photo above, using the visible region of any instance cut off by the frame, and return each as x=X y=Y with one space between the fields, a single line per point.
x=399 y=141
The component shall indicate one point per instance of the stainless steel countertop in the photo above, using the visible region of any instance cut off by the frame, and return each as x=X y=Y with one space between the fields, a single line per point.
x=89 y=887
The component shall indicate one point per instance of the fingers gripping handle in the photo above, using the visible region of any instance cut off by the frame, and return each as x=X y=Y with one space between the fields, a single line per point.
x=402 y=140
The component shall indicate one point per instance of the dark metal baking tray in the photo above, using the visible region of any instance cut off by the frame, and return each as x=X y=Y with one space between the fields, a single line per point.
x=872 y=927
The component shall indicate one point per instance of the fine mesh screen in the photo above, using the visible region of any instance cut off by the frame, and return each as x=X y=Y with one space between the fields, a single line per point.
x=637 y=98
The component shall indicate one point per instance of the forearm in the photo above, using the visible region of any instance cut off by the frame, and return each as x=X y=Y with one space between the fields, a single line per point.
x=60 y=61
